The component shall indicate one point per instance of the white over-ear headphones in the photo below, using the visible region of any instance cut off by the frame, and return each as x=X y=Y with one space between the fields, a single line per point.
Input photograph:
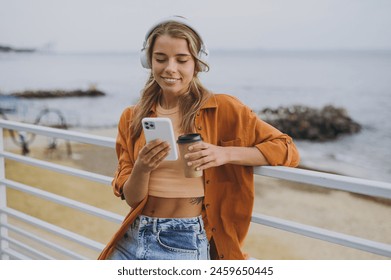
x=202 y=55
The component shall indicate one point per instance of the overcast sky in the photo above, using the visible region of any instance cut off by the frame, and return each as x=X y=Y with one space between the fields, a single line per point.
x=120 y=25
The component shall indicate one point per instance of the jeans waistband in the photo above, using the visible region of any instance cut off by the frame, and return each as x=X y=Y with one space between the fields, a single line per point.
x=156 y=224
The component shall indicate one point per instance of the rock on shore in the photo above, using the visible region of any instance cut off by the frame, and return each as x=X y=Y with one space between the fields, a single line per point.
x=58 y=93
x=307 y=123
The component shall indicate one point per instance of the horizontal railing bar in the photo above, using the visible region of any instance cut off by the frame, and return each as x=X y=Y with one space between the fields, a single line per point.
x=54 y=229
x=28 y=249
x=60 y=133
x=327 y=180
x=59 y=168
x=92 y=210
x=51 y=245
x=326 y=235
x=15 y=254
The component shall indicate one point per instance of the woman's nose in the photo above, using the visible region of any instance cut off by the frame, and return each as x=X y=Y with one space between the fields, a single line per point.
x=171 y=65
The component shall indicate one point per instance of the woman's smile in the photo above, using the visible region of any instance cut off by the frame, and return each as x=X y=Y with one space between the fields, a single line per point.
x=170 y=80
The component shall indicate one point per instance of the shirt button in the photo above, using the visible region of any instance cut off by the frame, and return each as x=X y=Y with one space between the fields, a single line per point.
x=213 y=229
x=207 y=181
x=199 y=128
x=207 y=205
x=221 y=256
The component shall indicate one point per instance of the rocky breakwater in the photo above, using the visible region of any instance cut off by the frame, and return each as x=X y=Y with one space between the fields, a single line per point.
x=57 y=93
x=312 y=124
x=17 y=50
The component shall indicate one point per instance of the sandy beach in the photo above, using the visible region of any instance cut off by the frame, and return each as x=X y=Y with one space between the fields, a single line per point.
x=333 y=210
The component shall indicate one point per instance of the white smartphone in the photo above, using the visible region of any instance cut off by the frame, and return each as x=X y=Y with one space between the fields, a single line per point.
x=161 y=128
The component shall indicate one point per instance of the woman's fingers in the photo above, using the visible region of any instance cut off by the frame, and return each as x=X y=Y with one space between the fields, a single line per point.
x=152 y=154
x=205 y=155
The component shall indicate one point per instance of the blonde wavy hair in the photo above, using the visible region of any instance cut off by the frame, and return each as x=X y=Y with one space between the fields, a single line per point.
x=190 y=102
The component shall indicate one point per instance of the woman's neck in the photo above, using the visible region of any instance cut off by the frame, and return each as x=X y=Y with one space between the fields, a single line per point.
x=168 y=103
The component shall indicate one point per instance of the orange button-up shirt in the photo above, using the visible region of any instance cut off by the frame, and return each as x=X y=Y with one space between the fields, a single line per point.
x=229 y=189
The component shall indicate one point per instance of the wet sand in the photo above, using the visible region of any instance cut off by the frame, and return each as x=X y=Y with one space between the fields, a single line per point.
x=333 y=210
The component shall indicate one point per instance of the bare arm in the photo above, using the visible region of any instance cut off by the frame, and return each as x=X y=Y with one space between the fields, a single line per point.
x=206 y=155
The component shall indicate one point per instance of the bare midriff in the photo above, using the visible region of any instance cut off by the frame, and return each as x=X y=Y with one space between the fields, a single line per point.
x=162 y=207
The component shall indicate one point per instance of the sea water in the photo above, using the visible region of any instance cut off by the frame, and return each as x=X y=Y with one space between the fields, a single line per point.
x=356 y=80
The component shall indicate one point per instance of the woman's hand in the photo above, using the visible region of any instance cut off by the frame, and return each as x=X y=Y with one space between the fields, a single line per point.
x=204 y=155
x=151 y=155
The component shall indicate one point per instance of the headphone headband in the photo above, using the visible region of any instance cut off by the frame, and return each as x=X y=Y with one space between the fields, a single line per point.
x=202 y=55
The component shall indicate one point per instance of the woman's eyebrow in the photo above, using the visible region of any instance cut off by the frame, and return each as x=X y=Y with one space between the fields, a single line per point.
x=179 y=54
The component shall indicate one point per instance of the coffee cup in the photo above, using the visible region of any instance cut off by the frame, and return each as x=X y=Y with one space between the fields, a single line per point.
x=184 y=142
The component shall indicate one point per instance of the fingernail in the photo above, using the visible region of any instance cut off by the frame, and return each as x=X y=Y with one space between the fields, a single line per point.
x=190 y=148
x=186 y=156
x=189 y=164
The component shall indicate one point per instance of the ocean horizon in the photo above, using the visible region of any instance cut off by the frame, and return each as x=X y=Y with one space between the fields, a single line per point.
x=355 y=80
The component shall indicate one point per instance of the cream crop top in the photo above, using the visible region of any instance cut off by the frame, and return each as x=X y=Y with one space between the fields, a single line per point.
x=168 y=180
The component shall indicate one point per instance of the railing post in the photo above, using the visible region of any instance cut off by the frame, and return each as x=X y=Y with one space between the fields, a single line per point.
x=3 y=203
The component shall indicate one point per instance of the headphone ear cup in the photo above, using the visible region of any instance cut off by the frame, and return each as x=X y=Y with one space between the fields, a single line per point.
x=144 y=59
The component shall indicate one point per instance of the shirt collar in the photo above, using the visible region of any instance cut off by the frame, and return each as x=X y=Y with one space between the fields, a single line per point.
x=211 y=102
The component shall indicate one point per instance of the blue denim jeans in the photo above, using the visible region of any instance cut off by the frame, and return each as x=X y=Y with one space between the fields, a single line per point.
x=150 y=238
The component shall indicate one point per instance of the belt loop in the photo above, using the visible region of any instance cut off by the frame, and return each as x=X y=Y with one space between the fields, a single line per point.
x=154 y=226
x=136 y=223
x=201 y=222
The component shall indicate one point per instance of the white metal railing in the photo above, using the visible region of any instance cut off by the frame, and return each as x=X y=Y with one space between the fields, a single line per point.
x=12 y=248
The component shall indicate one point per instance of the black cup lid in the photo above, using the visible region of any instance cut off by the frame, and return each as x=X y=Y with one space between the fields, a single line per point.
x=189 y=138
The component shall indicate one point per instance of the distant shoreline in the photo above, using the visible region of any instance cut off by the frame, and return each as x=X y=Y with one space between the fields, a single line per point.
x=12 y=49
x=91 y=92
x=7 y=48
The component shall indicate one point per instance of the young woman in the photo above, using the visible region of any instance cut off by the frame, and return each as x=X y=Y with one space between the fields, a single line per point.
x=173 y=217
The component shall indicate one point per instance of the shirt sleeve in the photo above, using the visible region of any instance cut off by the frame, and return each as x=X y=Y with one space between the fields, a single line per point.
x=277 y=147
x=125 y=162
